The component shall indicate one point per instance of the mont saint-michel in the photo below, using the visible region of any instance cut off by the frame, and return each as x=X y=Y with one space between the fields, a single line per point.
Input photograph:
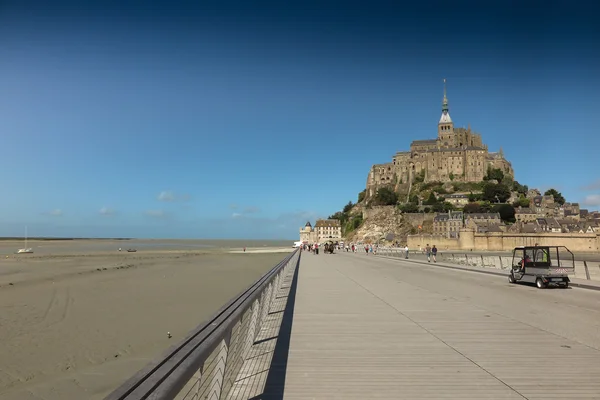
x=457 y=154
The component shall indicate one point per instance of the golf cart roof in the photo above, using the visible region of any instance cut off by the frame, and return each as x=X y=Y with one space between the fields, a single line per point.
x=537 y=247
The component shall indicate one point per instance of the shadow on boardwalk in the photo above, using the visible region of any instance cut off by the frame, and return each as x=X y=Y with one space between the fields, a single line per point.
x=275 y=381
x=263 y=373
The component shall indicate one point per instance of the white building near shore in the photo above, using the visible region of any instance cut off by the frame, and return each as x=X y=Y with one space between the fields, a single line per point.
x=324 y=230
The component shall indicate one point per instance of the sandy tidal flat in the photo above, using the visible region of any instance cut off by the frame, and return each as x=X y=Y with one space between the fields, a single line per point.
x=76 y=326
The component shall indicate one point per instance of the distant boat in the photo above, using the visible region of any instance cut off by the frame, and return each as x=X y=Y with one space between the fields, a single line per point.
x=25 y=250
x=131 y=250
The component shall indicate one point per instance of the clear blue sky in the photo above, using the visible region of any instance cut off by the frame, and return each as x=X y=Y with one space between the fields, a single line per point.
x=251 y=120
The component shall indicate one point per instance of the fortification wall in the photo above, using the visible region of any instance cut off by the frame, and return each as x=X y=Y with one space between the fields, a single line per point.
x=469 y=240
x=376 y=210
x=440 y=241
x=416 y=219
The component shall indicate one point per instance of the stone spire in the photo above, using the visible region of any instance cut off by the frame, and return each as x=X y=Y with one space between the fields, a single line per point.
x=445 y=115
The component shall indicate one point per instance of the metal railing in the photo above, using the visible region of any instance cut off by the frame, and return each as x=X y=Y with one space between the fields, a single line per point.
x=589 y=270
x=207 y=362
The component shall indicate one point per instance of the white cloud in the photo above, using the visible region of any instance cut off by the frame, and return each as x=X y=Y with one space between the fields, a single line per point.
x=169 y=196
x=166 y=196
x=592 y=186
x=106 y=211
x=592 y=200
x=155 y=213
x=243 y=214
x=282 y=220
x=56 y=212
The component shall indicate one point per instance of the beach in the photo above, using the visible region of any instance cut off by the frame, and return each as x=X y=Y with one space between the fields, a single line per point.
x=76 y=322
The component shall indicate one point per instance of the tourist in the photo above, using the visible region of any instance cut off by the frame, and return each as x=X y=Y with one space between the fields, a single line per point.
x=428 y=252
x=434 y=253
x=406 y=252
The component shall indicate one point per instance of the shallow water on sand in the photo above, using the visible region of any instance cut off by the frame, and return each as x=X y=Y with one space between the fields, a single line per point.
x=47 y=247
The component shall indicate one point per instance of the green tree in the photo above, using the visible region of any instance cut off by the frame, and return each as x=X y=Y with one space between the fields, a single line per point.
x=409 y=208
x=496 y=193
x=420 y=177
x=475 y=197
x=414 y=199
x=517 y=187
x=361 y=195
x=494 y=173
x=558 y=197
x=447 y=206
x=386 y=196
x=451 y=176
x=472 y=208
x=340 y=216
x=348 y=207
x=522 y=202
x=427 y=210
x=506 y=211
x=431 y=200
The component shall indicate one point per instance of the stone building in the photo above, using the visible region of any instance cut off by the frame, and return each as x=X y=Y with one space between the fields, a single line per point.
x=308 y=234
x=457 y=154
x=458 y=200
x=448 y=224
x=484 y=218
x=328 y=229
x=324 y=229
x=525 y=214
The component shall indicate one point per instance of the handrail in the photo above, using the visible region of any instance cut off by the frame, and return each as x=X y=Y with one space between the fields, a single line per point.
x=589 y=270
x=167 y=376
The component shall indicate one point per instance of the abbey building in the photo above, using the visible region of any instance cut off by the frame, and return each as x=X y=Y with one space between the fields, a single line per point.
x=457 y=154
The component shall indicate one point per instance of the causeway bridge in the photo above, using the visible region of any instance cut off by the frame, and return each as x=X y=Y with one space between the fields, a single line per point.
x=358 y=326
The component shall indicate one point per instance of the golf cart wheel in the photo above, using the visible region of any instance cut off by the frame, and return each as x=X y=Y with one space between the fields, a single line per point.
x=511 y=279
x=540 y=283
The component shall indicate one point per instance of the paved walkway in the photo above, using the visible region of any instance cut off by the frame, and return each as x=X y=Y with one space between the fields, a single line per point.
x=421 y=258
x=374 y=328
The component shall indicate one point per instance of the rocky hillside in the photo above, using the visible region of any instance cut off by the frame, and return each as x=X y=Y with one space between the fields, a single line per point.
x=388 y=224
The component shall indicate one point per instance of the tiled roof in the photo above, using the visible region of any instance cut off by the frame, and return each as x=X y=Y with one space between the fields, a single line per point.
x=328 y=223
x=529 y=228
x=482 y=215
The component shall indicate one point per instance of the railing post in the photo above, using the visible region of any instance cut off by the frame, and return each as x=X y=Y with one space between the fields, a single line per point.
x=501 y=266
x=198 y=384
x=587 y=271
x=482 y=262
x=467 y=257
x=216 y=383
x=249 y=340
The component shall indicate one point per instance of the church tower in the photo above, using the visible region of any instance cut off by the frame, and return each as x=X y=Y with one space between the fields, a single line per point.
x=445 y=126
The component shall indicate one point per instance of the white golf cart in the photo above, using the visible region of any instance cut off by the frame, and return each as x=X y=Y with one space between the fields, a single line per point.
x=542 y=265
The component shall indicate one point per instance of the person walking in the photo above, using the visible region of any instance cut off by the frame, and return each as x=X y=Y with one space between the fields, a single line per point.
x=406 y=252
x=434 y=253
x=428 y=252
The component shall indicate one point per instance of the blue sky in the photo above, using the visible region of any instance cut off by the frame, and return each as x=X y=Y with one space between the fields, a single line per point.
x=233 y=121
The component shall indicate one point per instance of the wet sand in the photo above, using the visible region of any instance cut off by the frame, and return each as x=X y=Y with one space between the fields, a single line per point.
x=75 y=326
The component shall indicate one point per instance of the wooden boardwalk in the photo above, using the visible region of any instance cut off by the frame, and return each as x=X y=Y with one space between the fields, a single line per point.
x=372 y=328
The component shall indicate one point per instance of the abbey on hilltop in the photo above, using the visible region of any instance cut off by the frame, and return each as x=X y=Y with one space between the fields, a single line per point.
x=458 y=155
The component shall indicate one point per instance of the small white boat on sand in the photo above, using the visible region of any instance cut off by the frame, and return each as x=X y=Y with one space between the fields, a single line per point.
x=25 y=250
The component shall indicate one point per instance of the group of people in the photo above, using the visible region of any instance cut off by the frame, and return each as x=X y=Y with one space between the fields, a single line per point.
x=431 y=253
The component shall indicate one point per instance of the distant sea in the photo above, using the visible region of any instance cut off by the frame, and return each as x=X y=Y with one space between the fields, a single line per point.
x=100 y=245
